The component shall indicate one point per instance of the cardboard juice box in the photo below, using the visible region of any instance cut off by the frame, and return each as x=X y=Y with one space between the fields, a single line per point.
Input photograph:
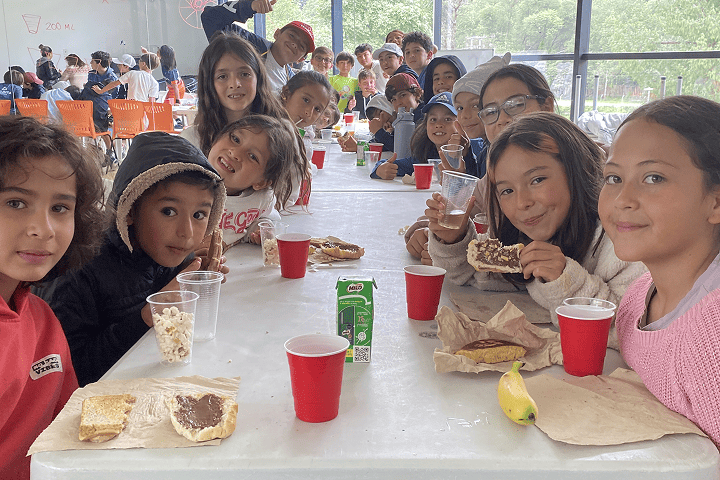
x=355 y=313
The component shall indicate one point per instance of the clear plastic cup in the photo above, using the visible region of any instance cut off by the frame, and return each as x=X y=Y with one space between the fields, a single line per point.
x=453 y=154
x=173 y=314
x=436 y=164
x=326 y=133
x=457 y=188
x=268 y=233
x=371 y=158
x=207 y=286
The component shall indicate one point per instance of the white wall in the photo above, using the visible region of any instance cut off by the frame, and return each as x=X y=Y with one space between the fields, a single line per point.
x=84 y=26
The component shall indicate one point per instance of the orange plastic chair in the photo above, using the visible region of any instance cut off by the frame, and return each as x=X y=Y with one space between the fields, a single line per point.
x=127 y=118
x=5 y=107
x=31 y=107
x=78 y=117
x=159 y=116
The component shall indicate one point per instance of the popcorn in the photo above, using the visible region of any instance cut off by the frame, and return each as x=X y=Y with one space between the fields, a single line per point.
x=173 y=330
x=270 y=252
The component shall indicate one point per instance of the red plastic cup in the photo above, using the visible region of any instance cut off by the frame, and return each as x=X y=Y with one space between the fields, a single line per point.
x=481 y=223
x=349 y=118
x=376 y=147
x=584 y=333
x=423 y=286
x=423 y=175
x=316 y=369
x=305 y=189
x=318 y=157
x=293 y=251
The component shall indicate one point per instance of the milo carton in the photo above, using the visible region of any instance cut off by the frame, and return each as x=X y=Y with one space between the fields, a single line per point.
x=362 y=147
x=355 y=312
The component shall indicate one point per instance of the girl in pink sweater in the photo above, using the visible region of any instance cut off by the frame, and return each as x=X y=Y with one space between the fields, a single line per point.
x=660 y=205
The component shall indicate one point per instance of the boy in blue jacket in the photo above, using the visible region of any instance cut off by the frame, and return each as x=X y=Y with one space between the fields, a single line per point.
x=292 y=42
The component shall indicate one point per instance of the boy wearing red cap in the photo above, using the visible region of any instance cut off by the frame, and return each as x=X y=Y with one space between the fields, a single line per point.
x=403 y=90
x=292 y=42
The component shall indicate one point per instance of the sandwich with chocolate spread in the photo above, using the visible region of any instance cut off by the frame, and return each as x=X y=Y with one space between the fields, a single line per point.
x=491 y=350
x=489 y=255
x=203 y=416
x=336 y=249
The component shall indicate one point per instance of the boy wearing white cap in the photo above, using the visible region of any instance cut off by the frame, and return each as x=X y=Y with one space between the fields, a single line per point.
x=391 y=59
x=125 y=63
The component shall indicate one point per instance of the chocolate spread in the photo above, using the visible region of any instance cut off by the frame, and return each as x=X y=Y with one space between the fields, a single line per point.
x=342 y=246
x=199 y=413
x=492 y=252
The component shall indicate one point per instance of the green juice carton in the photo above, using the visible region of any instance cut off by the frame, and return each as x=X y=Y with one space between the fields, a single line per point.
x=362 y=147
x=355 y=313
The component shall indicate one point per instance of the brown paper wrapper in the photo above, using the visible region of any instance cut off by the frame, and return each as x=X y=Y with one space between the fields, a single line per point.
x=149 y=424
x=602 y=410
x=457 y=330
x=483 y=307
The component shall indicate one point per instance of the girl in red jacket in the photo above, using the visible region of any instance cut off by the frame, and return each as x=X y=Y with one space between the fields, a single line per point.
x=47 y=224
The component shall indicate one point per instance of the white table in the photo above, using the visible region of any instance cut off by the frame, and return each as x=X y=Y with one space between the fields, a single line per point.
x=398 y=418
x=188 y=112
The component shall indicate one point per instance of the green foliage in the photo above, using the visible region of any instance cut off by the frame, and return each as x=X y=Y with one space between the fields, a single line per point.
x=658 y=25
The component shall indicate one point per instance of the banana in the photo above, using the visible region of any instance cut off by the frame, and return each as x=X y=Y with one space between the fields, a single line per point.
x=514 y=399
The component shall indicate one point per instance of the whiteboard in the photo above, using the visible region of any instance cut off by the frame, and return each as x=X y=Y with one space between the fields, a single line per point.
x=114 y=26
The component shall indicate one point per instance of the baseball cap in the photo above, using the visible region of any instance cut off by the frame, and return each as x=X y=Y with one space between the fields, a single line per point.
x=474 y=80
x=444 y=99
x=381 y=103
x=126 y=59
x=31 y=77
x=388 y=47
x=398 y=83
x=306 y=30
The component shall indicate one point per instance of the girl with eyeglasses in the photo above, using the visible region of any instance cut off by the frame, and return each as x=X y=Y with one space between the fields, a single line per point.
x=544 y=178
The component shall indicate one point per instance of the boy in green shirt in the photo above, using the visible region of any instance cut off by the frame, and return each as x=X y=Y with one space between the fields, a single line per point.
x=343 y=82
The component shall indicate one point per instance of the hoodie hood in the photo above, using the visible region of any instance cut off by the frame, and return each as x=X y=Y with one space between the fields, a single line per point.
x=153 y=157
x=451 y=59
x=403 y=68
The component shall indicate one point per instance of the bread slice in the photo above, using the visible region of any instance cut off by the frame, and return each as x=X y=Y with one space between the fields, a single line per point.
x=203 y=416
x=216 y=248
x=489 y=255
x=104 y=417
x=490 y=350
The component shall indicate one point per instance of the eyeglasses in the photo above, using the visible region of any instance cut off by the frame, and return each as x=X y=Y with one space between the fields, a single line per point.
x=512 y=106
x=324 y=59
